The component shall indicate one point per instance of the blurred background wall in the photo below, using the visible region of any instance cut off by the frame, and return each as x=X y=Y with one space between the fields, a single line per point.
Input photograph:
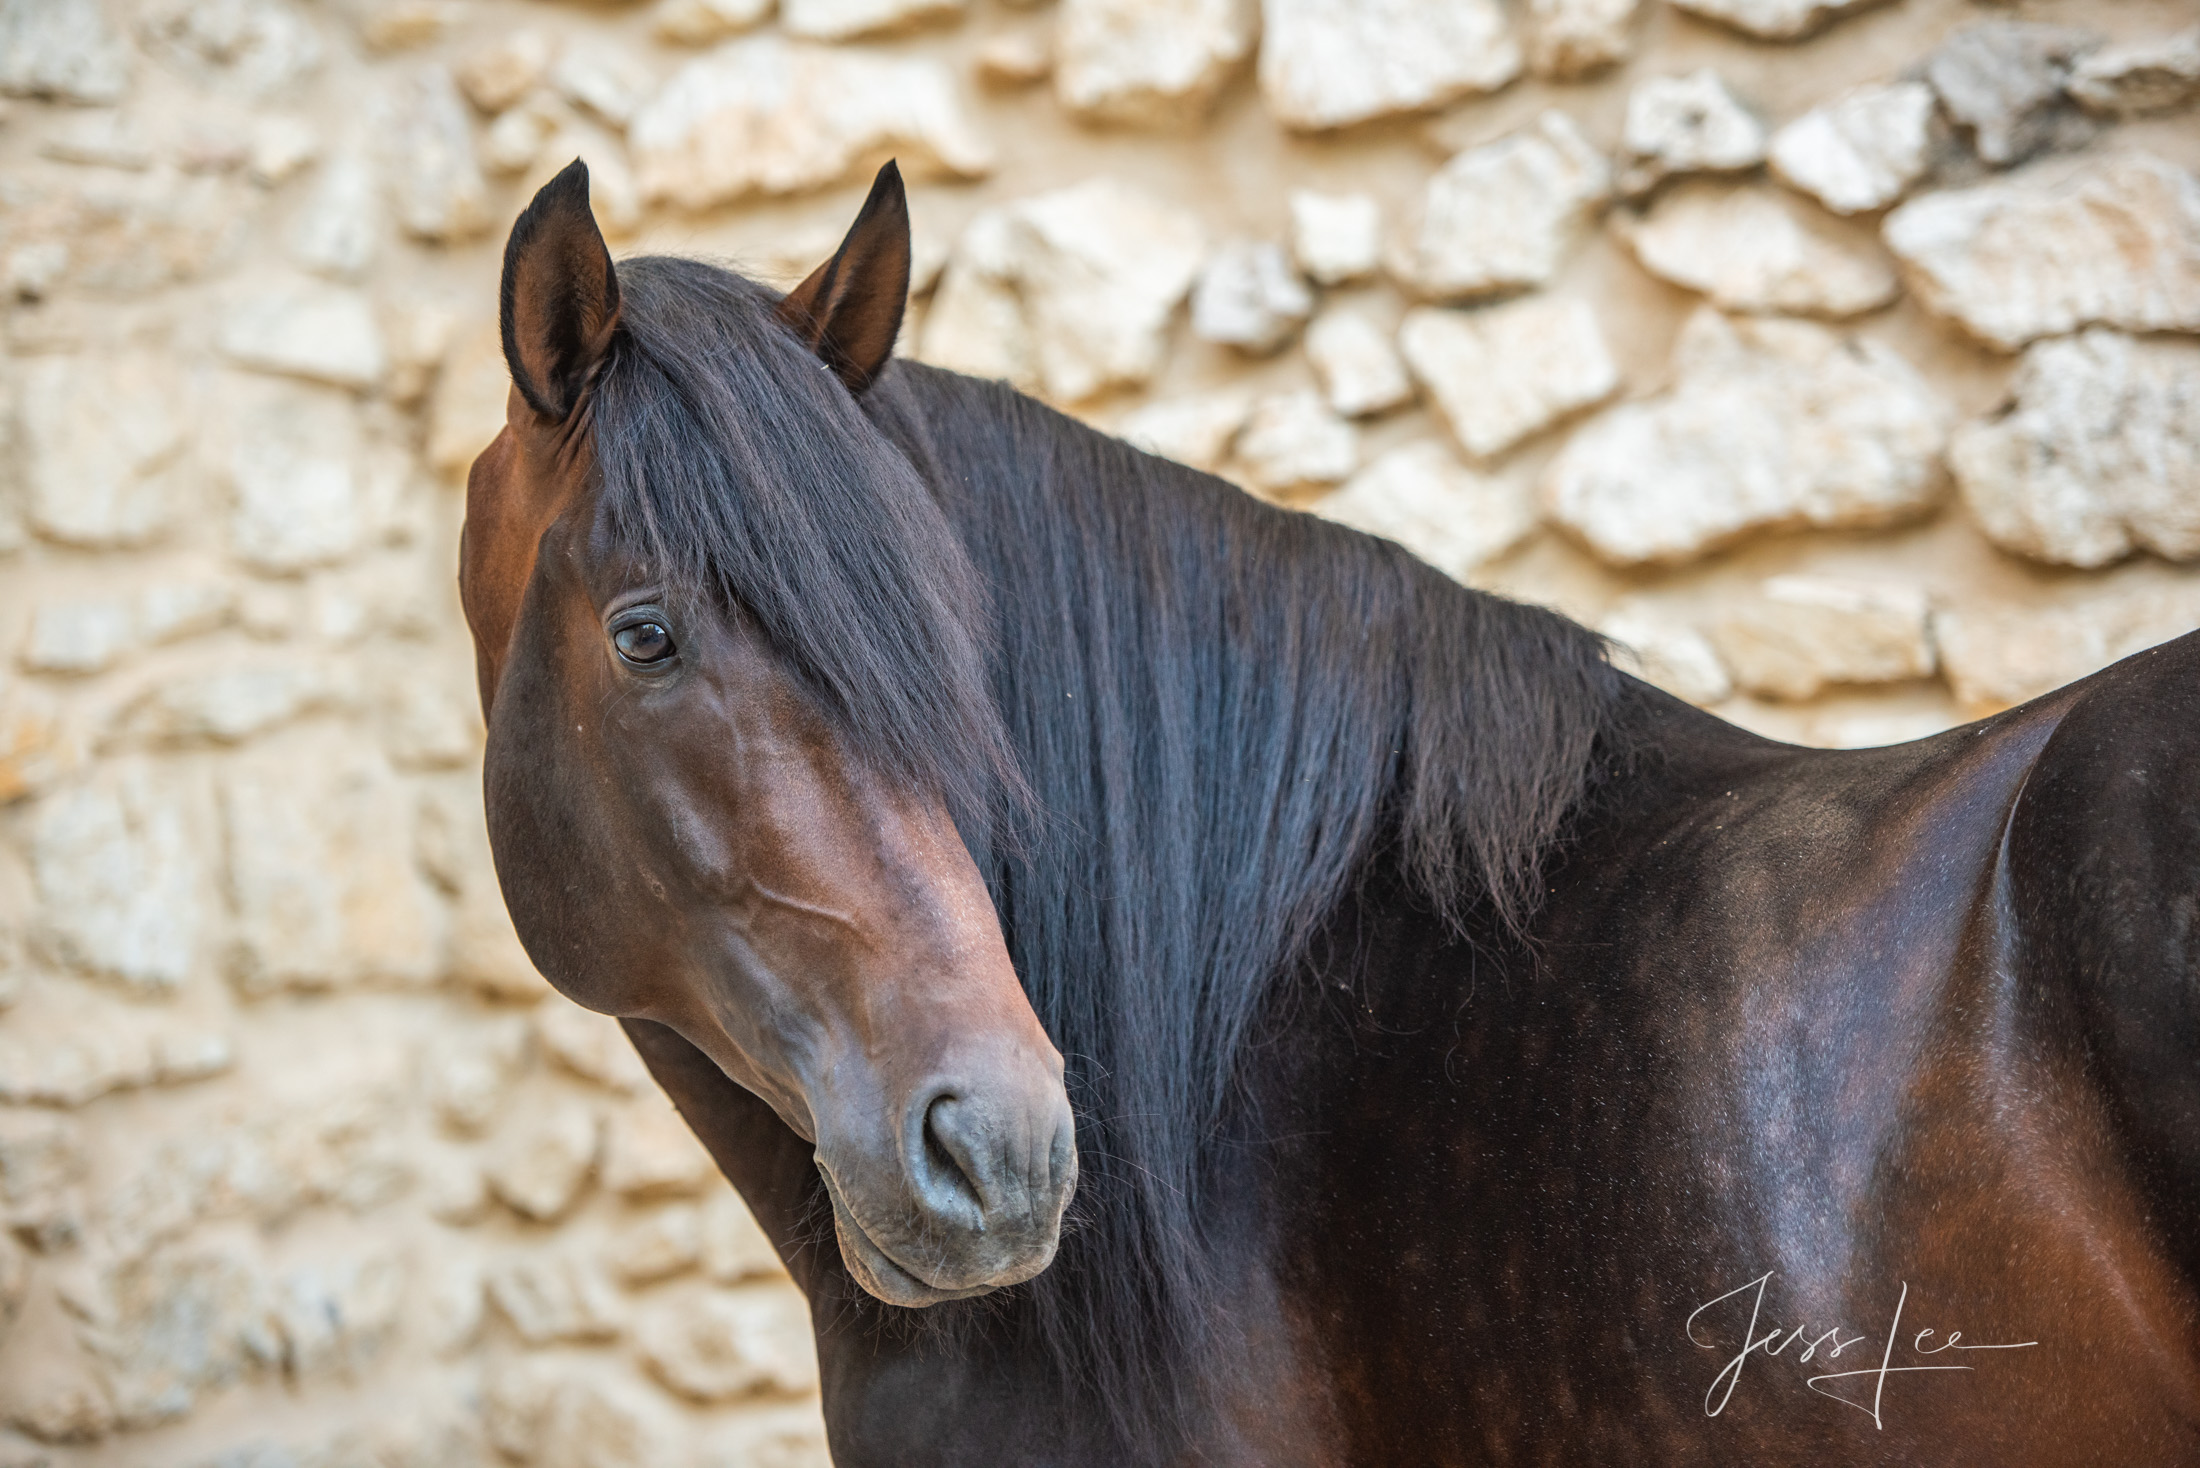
x=1826 y=354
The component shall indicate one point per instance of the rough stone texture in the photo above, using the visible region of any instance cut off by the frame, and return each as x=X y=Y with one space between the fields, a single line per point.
x=2098 y=456
x=1195 y=431
x=435 y=178
x=553 y=1415
x=1335 y=237
x=1016 y=58
x=120 y=864
x=1422 y=497
x=1248 y=296
x=1800 y=633
x=1657 y=645
x=845 y=20
x=2154 y=75
x=2109 y=243
x=1360 y=370
x=1502 y=216
x=323 y=333
x=766 y=116
x=2003 y=82
x=66 y=50
x=1331 y=63
x=611 y=82
x=699 y=22
x=1862 y=150
x=1748 y=249
x=1505 y=372
x=555 y=1297
x=1143 y=63
x=101 y=441
x=539 y=1165
x=1768 y=424
x=1774 y=20
x=495 y=75
x=1686 y=124
x=1292 y=440
x=1998 y=655
x=719 y=1344
x=1572 y=39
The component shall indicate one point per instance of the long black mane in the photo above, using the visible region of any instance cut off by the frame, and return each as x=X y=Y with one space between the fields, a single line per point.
x=1174 y=722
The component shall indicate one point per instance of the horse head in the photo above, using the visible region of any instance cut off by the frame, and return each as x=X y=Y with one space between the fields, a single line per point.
x=705 y=810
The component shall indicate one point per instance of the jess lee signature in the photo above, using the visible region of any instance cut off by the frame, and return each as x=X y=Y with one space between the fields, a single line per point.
x=1831 y=1343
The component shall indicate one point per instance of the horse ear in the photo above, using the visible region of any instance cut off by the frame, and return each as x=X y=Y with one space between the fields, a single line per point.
x=560 y=299
x=849 y=310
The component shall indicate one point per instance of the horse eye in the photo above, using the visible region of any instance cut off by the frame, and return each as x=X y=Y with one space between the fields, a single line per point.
x=643 y=642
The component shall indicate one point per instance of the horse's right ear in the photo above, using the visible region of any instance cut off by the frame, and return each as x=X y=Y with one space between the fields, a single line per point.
x=560 y=299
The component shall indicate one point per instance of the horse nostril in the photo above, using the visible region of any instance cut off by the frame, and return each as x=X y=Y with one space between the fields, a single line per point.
x=948 y=1176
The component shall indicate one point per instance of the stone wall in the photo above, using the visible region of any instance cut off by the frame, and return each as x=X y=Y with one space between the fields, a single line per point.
x=1826 y=354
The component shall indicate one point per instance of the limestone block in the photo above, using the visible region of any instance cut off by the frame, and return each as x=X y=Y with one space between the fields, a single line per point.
x=1016 y=58
x=663 y=1243
x=2098 y=455
x=322 y=877
x=466 y=1074
x=122 y=233
x=319 y=332
x=1686 y=124
x=91 y=634
x=1070 y=291
x=252 y=48
x=1862 y=150
x=278 y=147
x=15 y=1281
x=341 y=224
x=1800 y=633
x=541 y=1162
x=1250 y=297
x=1422 y=497
x=1143 y=63
x=1663 y=648
x=228 y=704
x=1746 y=248
x=1775 y=20
x=451 y=1301
x=167 y=1328
x=609 y=81
x=453 y=1190
x=1291 y=440
x=103 y=140
x=520 y=138
x=64 y=50
x=2157 y=74
x=569 y=1415
x=499 y=72
x=734 y=1245
x=335 y=1317
x=2003 y=81
x=1502 y=216
x=649 y=1152
x=591 y=1046
x=1336 y=237
x=1191 y=430
x=55 y=1397
x=120 y=871
x=2109 y=242
x=769 y=116
x=101 y=439
x=1996 y=656
x=846 y=20
x=304 y=489
x=720 y=1345
x=699 y=22
x=1768 y=424
x=1572 y=39
x=1331 y=63
x=485 y=954
x=1505 y=372
x=555 y=1295
x=42 y=1169
x=428 y=160
x=69 y=1051
x=1359 y=368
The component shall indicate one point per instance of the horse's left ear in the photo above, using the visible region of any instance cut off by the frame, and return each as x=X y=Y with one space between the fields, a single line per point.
x=559 y=302
x=849 y=310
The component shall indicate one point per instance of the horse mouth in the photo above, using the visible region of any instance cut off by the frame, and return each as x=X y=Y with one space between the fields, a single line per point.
x=880 y=1273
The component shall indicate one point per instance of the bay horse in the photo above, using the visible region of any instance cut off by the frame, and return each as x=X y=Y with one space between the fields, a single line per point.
x=1182 y=982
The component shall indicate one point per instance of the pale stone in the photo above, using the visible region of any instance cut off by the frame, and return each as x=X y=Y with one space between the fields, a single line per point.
x=541 y=1162
x=428 y=723
x=2003 y=80
x=470 y=397
x=1995 y=656
x=1359 y=368
x=1876 y=730
x=719 y=1345
x=122 y=233
x=401 y=25
x=169 y=1327
x=38 y=747
x=484 y=954
x=1292 y=440
x=845 y=20
x=169 y=610
x=15 y=1281
x=663 y=1244
x=495 y=75
x=1862 y=150
x=303 y=489
x=519 y=139
x=103 y=140
x=612 y=83
x=1248 y=296
x=1746 y=248
x=466 y=1074
x=1331 y=63
x=54 y=1397
x=1422 y=497
x=64 y=50
x=280 y=146
x=1774 y=20
x=555 y=1296
x=322 y=876
x=1686 y=124
x=769 y=116
x=592 y=1046
x=42 y=1170
x=101 y=440
x=699 y=22
x=1769 y=424
x=1505 y=372
x=322 y=333
x=429 y=162
x=2098 y=456
x=648 y=1151
x=734 y=1245
x=248 y=47
x=453 y=1190
x=2110 y=242
x=1502 y=216
x=340 y=226
x=1571 y=39
x=1664 y=649
x=1336 y=237
x=1071 y=291
x=575 y=1415
x=2156 y=74
x=119 y=868
x=451 y=1310
x=1800 y=633
x=335 y=1317
x=1148 y=63
x=1016 y=58
x=80 y=636
x=81 y=1062
x=1192 y=430
x=229 y=704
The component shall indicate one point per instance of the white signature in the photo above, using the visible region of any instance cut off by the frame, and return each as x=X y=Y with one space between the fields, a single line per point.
x=1776 y=1341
